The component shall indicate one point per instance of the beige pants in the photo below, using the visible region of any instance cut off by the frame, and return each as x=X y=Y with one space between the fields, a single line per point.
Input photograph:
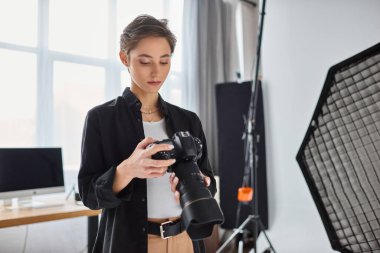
x=179 y=243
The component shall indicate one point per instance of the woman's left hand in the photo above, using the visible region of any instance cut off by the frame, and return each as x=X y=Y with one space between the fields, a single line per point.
x=174 y=181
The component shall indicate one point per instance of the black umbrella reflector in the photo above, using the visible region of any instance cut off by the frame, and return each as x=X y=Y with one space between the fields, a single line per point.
x=340 y=154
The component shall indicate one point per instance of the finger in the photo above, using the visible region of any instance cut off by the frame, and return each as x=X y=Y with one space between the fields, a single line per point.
x=174 y=184
x=159 y=147
x=155 y=170
x=145 y=142
x=158 y=163
x=207 y=181
x=176 y=196
x=154 y=175
x=171 y=177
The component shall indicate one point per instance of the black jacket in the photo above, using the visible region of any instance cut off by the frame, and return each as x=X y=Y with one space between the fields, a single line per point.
x=111 y=133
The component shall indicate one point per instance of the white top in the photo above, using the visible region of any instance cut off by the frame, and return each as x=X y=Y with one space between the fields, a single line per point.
x=161 y=201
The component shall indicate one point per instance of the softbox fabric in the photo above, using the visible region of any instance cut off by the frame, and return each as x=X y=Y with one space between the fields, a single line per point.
x=232 y=100
x=340 y=154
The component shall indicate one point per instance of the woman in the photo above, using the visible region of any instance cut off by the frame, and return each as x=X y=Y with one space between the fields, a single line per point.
x=117 y=173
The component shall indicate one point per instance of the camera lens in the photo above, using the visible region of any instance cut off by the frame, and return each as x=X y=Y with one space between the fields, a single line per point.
x=200 y=211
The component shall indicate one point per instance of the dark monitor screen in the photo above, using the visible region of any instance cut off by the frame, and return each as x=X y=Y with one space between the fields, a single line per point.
x=30 y=168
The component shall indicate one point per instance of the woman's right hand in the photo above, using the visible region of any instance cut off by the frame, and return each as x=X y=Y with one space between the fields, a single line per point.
x=141 y=165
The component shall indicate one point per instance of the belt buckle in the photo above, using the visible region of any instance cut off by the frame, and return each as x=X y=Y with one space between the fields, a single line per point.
x=162 y=231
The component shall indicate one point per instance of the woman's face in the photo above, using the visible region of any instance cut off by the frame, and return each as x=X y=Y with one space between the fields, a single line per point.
x=149 y=63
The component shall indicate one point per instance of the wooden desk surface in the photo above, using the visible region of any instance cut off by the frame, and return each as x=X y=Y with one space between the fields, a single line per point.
x=23 y=216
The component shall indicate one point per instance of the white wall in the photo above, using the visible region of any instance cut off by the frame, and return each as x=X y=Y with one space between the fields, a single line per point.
x=302 y=39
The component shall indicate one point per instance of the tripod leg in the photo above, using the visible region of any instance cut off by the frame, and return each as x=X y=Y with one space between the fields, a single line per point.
x=265 y=234
x=237 y=231
x=240 y=246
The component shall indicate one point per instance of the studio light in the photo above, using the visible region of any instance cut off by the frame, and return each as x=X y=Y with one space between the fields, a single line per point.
x=340 y=154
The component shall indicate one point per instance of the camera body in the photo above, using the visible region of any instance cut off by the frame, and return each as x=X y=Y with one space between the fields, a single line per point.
x=186 y=148
x=200 y=210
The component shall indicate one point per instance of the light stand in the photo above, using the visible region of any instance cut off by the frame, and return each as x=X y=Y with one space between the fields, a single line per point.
x=251 y=157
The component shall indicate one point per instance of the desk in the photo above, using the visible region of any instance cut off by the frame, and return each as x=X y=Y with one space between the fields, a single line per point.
x=25 y=216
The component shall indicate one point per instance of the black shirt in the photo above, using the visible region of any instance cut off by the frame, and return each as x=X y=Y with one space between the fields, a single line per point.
x=111 y=133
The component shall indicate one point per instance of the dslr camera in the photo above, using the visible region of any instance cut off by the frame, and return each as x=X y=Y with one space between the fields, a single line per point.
x=200 y=211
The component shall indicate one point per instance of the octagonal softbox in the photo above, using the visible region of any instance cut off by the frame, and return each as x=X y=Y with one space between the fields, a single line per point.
x=340 y=154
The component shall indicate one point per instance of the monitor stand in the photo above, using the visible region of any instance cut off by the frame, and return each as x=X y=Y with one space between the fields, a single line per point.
x=29 y=202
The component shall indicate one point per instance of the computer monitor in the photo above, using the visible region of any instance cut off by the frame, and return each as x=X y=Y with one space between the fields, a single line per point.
x=25 y=172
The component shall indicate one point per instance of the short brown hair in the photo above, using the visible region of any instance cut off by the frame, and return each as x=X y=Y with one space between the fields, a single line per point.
x=142 y=27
